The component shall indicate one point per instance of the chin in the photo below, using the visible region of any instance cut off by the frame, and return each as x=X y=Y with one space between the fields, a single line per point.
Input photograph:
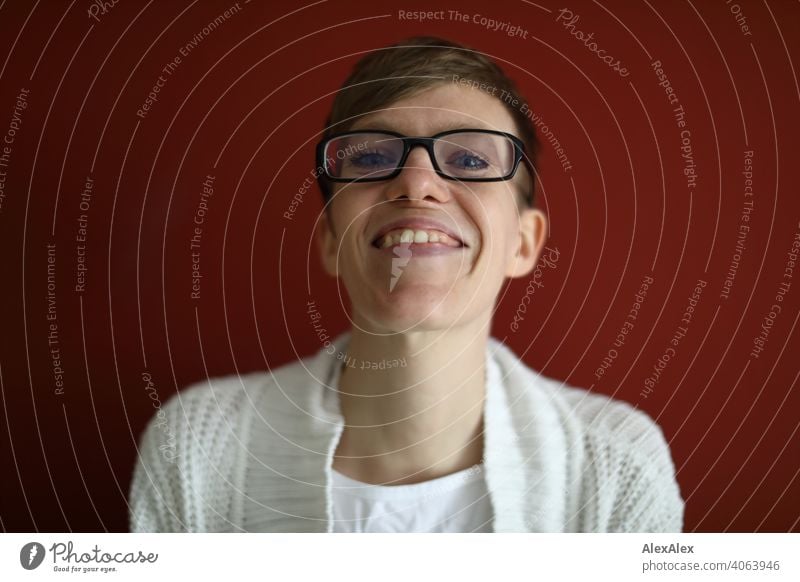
x=412 y=308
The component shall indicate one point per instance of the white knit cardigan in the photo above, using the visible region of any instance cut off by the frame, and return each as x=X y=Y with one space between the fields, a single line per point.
x=254 y=453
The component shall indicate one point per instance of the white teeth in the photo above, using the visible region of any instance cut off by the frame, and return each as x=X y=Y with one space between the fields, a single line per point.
x=407 y=236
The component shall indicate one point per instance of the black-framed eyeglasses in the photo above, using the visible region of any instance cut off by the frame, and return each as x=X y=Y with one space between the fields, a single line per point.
x=466 y=155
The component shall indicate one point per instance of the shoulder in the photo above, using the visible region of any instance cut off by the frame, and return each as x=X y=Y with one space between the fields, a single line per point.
x=207 y=413
x=625 y=465
x=610 y=422
x=580 y=412
x=591 y=416
x=193 y=443
x=618 y=464
x=209 y=402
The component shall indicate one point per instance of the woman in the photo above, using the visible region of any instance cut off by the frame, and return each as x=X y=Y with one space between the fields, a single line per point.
x=415 y=420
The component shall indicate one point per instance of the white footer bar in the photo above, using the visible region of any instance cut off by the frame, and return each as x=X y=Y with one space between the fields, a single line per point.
x=390 y=557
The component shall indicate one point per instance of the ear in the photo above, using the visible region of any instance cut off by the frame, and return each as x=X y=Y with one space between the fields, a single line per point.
x=532 y=236
x=328 y=244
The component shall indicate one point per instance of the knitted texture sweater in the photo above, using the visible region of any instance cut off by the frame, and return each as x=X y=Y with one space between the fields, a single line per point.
x=253 y=453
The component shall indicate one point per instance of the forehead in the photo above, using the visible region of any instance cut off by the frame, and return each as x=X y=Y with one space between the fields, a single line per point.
x=440 y=108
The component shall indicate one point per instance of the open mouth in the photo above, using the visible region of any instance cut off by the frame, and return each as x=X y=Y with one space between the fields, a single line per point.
x=417 y=237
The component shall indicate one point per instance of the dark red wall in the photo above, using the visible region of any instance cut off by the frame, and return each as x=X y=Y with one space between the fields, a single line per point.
x=246 y=105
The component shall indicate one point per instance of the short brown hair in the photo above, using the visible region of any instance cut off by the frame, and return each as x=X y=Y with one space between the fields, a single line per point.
x=410 y=66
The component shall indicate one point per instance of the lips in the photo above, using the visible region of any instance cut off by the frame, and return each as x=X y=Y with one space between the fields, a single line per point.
x=418 y=225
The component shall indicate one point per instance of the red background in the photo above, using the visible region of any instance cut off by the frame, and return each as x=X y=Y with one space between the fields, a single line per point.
x=246 y=105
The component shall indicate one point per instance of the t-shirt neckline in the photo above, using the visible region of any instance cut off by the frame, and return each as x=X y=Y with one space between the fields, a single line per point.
x=445 y=484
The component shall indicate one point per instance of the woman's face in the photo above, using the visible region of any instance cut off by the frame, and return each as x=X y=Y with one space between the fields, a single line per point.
x=483 y=236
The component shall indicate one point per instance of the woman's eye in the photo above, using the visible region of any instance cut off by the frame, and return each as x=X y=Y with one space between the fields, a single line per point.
x=370 y=160
x=470 y=162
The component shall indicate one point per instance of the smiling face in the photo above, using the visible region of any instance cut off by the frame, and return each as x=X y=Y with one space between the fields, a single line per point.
x=420 y=252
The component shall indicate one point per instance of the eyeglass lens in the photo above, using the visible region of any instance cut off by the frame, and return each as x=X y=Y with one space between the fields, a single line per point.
x=458 y=155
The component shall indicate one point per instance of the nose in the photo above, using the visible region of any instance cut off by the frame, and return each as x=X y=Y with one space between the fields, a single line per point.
x=418 y=180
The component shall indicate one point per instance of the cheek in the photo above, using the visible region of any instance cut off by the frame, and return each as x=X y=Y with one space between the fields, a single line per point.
x=349 y=223
x=353 y=203
x=346 y=214
x=496 y=220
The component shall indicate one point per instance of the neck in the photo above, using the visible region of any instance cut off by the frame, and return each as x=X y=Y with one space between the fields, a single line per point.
x=412 y=405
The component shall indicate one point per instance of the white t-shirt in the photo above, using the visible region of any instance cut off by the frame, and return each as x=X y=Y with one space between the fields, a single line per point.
x=456 y=503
